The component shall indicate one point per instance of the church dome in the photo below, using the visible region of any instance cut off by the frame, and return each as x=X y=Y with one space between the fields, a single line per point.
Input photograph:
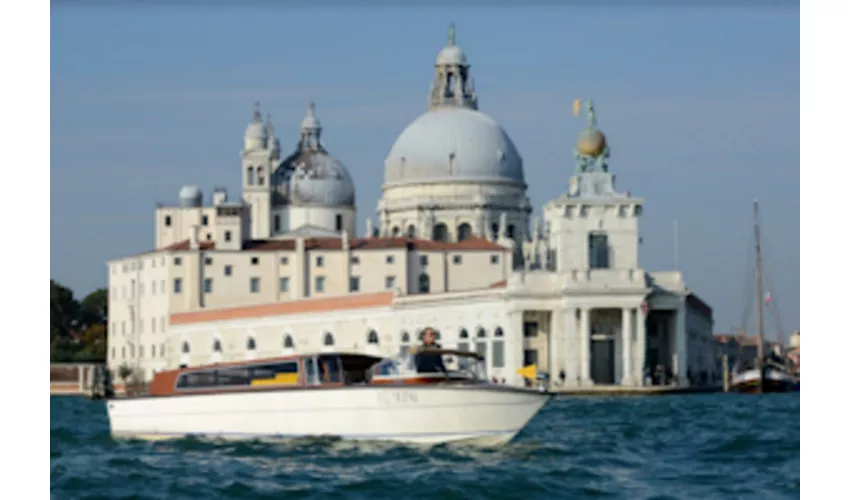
x=310 y=175
x=452 y=55
x=454 y=142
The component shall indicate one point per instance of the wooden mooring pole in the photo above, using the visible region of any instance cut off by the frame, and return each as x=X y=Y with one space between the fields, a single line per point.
x=725 y=373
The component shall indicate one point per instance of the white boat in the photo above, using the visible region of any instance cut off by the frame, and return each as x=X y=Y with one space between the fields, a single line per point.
x=773 y=380
x=351 y=396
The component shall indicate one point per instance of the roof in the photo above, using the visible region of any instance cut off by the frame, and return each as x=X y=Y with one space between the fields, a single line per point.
x=699 y=305
x=310 y=305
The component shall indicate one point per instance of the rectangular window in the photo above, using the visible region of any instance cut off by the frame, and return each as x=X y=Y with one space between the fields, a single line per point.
x=208 y=261
x=162 y=286
x=320 y=261
x=457 y=259
x=205 y=220
x=284 y=261
x=494 y=259
x=153 y=325
x=177 y=261
x=153 y=351
x=598 y=251
x=167 y=220
x=228 y=270
x=153 y=288
x=463 y=346
x=355 y=259
x=162 y=324
x=227 y=236
x=390 y=259
x=481 y=347
x=277 y=223
x=529 y=329
x=178 y=285
x=255 y=285
x=338 y=223
x=354 y=284
x=320 y=284
x=284 y=285
x=208 y=285
x=275 y=370
x=389 y=282
x=255 y=261
x=423 y=260
x=498 y=354
x=529 y=357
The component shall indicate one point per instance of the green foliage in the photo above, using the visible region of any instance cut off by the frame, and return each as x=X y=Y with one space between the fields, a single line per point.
x=78 y=330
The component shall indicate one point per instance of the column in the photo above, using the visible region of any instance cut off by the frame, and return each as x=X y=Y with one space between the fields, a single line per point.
x=682 y=339
x=584 y=342
x=572 y=347
x=640 y=346
x=513 y=348
x=628 y=375
x=555 y=345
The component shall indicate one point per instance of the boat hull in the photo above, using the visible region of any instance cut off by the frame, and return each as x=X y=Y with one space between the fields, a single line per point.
x=490 y=415
x=752 y=382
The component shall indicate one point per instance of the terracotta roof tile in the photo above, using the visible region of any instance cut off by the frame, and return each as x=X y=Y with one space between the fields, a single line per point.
x=381 y=243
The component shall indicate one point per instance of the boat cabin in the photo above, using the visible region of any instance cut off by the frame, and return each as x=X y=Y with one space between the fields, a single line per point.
x=322 y=370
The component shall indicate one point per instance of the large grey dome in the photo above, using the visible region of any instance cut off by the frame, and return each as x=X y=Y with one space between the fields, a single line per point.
x=453 y=142
x=310 y=175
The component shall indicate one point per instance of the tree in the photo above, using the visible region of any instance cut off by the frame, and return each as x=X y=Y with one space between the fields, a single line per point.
x=77 y=329
x=94 y=308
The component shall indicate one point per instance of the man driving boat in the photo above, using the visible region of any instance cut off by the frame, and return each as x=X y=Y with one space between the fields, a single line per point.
x=427 y=362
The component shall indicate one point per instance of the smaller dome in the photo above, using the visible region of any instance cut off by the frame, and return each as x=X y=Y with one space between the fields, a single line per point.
x=190 y=196
x=310 y=121
x=452 y=55
x=591 y=142
x=257 y=129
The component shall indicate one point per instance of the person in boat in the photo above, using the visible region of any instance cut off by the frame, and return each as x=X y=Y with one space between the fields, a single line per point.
x=427 y=362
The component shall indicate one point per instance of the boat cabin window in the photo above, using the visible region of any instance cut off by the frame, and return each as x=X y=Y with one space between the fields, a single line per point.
x=312 y=372
x=330 y=369
x=280 y=373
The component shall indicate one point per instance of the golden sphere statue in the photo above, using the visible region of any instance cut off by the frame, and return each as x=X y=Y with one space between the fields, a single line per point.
x=591 y=142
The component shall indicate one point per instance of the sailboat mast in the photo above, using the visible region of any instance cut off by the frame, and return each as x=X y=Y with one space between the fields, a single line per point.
x=759 y=291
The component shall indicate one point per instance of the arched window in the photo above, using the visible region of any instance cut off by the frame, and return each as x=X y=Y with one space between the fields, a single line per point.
x=288 y=343
x=250 y=176
x=185 y=348
x=464 y=231
x=411 y=231
x=463 y=340
x=260 y=178
x=498 y=357
x=424 y=283
x=252 y=344
x=396 y=231
x=372 y=338
x=329 y=339
x=495 y=229
x=440 y=232
x=481 y=342
x=217 y=346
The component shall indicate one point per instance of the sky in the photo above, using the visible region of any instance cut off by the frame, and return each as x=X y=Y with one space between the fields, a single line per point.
x=701 y=107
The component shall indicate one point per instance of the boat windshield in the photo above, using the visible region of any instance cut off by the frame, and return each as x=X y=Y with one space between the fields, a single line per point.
x=457 y=364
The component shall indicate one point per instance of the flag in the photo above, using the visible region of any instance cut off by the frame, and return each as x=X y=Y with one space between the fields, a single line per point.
x=529 y=372
x=576 y=107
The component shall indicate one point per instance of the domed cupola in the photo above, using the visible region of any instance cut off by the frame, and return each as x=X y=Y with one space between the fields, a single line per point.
x=453 y=141
x=257 y=133
x=310 y=175
x=453 y=172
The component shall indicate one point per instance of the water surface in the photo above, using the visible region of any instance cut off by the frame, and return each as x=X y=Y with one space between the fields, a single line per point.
x=725 y=446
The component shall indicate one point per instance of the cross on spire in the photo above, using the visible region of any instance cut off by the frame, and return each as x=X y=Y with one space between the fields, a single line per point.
x=451 y=34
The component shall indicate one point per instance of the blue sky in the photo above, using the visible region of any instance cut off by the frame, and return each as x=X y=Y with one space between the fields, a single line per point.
x=700 y=105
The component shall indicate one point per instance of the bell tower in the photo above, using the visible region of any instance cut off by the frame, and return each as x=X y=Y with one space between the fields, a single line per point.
x=260 y=154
